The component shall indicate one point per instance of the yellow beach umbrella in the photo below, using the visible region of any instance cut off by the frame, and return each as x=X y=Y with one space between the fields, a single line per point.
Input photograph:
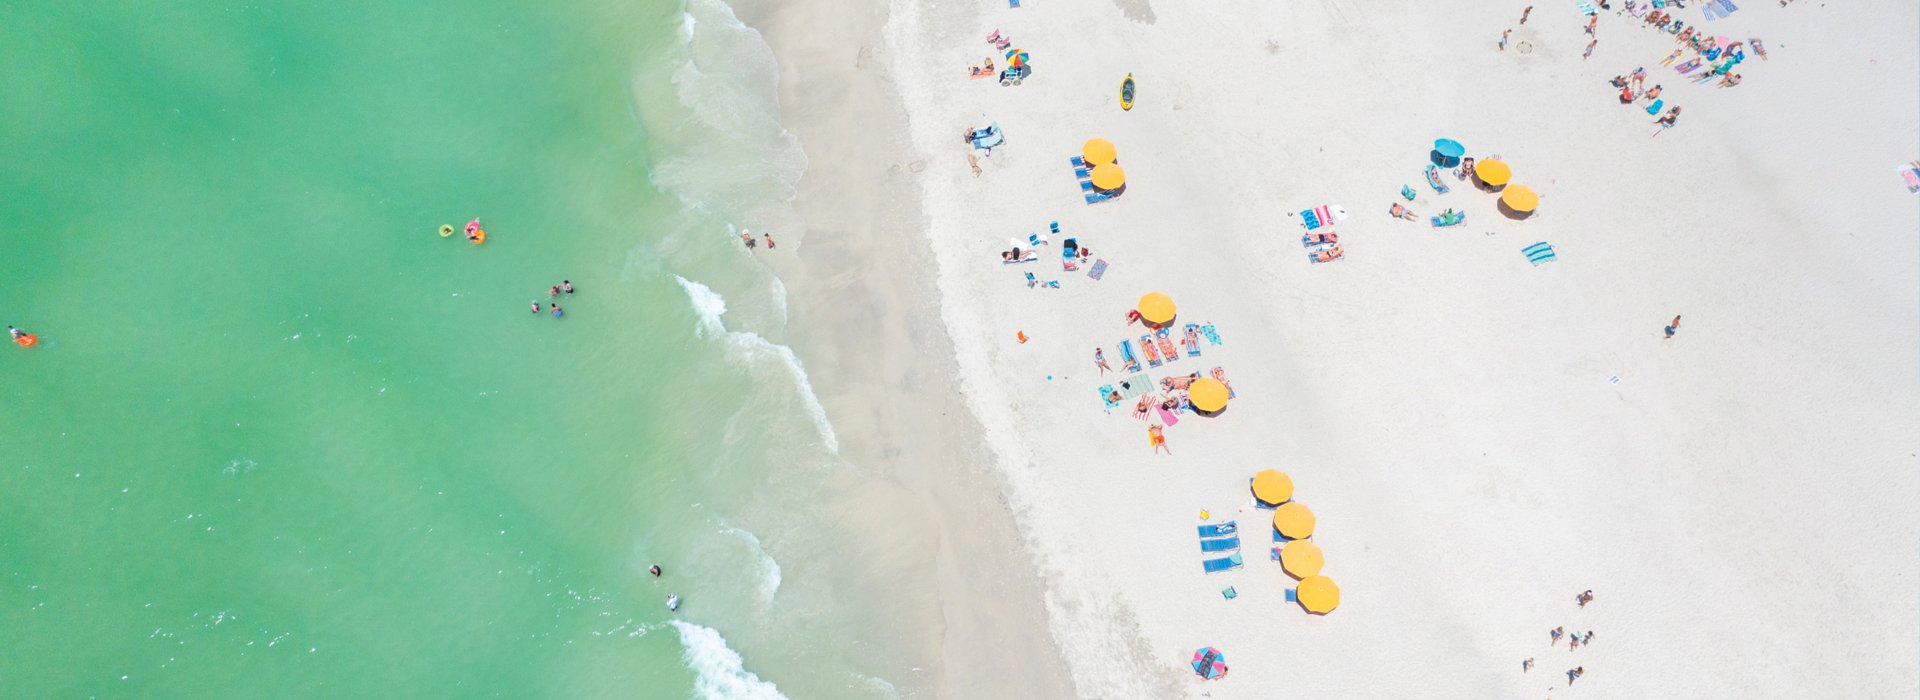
x=1156 y=308
x=1108 y=177
x=1207 y=394
x=1271 y=485
x=1303 y=559
x=1293 y=520
x=1098 y=152
x=1520 y=198
x=1493 y=172
x=1317 y=594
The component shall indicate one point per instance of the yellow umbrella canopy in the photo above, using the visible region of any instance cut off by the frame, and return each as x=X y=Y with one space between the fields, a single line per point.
x=1270 y=485
x=1493 y=172
x=1520 y=198
x=1293 y=520
x=1108 y=177
x=1098 y=152
x=1317 y=594
x=1156 y=308
x=1207 y=394
x=1302 y=559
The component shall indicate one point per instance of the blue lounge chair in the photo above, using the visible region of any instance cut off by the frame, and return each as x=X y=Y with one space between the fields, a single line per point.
x=1077 y=161
x=1214 y=566
x=1293 y=595
x=1054 y=226
x=1224 y=544
x=1655 y=107
x=1126 y=356
x=1223 y=529
x=1279 y=538
x=1082 y=173
x=1096 y=198
x=1086 y=186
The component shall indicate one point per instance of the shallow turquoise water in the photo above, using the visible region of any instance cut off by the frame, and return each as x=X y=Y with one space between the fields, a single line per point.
x=280 y=438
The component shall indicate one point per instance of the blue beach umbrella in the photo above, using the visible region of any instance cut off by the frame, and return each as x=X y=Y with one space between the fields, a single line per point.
x=1449 y=148
x=1209 y=663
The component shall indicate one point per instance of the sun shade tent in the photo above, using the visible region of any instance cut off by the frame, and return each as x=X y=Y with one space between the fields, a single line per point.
x=1098 y=152
x=1293 y=520
x=1318 y=594
x=1207 y=394
x=1302 y=559
x=1272 y=486
x=1494 y=173
x=1108 y=177
x=1156 y=308
x=1520 y=198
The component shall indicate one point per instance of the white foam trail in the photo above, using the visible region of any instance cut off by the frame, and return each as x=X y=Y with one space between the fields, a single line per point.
x=769 y=568
x=719 y=672
x=780 y=299
x=747 y=347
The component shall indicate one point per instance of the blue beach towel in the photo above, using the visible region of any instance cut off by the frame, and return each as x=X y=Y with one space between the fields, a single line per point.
x=1587 y=8
x=1220 y=545
x=1212 y=335
x=1214 y=566
x=1106 y=396
x=1539 y=253
x=1223 y=529
x=1126 y=357
x=1655 y=107
x=1293 y=595
x=1099 y=268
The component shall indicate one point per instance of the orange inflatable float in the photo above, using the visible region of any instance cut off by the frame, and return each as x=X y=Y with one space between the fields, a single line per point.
x=27 y=340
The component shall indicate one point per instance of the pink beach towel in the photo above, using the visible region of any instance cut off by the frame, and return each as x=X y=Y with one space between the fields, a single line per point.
x=1167 y=416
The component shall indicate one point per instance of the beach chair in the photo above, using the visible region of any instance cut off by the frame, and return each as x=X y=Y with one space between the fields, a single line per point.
x=1034 y=240
x=1224 y=544
x=1408 y=193
x=1229 y=563
x=1086 y=186
x=1655 y=107
x=1193 y=340
x=1096 y=197
x=1054 y=227
x=1539 y=253
x=1449 y=219
x=1229 y=593
x=1077 y=161
x=1221 y=530
x=1153 y=355
x=1279 y=540
x=1293 y=594
x=1167 y=349
x=1031 y=280
x=1433 y=179
x=1082 y=173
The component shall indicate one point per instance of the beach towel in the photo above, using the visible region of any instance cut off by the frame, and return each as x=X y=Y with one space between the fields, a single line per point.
x=1911 y=177
x=1127 y=359
x=1106 y=396
x=1655 y=107
x=1727 y=7
x=1211 y=530
x=1134 y=386
x=1433 y=179
x=1323 y=215
x=1167 y=416
x=1214 y=566
x=1192 y=340
x=1224 y=544
x=1099 y=268
x=1153 y=355
x=1539 y=253
x=1167 y=350
x=1687 y=67
x=1212 y=335
x=1031 y=280
x=1587 y=8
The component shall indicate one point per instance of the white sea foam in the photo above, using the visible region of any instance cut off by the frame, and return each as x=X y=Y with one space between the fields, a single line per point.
x=719 y=672
x=747 y=349
x=769 y=568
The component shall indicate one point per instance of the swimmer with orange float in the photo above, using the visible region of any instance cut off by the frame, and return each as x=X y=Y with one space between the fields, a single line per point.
x=475 y=233
x=22 y=338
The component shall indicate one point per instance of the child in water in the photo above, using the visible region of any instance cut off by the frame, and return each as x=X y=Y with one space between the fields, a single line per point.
x=557 y=313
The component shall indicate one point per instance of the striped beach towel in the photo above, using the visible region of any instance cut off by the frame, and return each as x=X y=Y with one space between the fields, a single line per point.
x=1539 y=253
x=1587 y=8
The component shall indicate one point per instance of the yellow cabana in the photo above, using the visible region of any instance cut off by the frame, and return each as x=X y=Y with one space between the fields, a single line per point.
x=1492 y=172
x=1271 y=486
x=1520 y=198
x=1108 y=177
x=1098 y=152
x=1293 y=520
x=1156 y=308
x=1317 y=594
x=1207 y=394
x=1301 y=558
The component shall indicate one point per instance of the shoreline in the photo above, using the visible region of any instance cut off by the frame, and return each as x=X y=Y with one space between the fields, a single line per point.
x=857 y=295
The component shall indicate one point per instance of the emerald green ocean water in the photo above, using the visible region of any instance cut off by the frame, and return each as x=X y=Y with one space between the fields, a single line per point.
x=280 y=438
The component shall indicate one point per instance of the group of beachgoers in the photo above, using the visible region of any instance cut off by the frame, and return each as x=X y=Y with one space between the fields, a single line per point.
x=1574 y=639
x=554 y=292
x=746 y=237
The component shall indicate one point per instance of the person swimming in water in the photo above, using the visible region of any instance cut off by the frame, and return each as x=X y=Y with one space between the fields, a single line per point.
x=566 y=286
x=553 y=291
x=15 y=333
x=655 y=570
x=536 y=307
x=673 y=602
x=557 y=313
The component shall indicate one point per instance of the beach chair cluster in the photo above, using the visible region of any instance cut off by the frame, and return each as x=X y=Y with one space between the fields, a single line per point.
x=1085 y=175
x=1322 y=243
x=1218 y=538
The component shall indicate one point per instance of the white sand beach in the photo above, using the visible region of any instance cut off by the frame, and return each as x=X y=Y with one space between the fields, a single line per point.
x=1737 y=500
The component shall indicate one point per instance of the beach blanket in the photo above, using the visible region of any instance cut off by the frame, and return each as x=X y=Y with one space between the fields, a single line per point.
x=1212 y=335
x=1146 y=347
x=1106 y=396
x=1539 y=253
x=1587 y=8
x=1167 y=349
x=1127 y=359
x=1687 y=67
x=1166 y=416
x=1134 y=386
x=1323 y=215
x=1099 y=268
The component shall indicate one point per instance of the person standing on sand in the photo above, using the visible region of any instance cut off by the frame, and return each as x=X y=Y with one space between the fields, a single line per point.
x=1575 y=674
x=1524 y=13
x=1671 y=327
x=1100 y=360
x=1589 y=53
x=1588 y=639
x=1527 y=665
x=1586 y=596
x=1557 y=631
x=747 y=238
x=1158 y=439
x=1593 y=24
x=1503 y=39
x=769 y=238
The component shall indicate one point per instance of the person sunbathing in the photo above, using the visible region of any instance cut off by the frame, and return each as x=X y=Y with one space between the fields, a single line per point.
x=1182 y=382
x=1672 y=116
x=1731 y=80
x=1220 y=374
x=1325 y=237
x=1653 y=94
x=1402 y=212
x=1466 y=169
x=1620 y=81
x=1140 y=409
